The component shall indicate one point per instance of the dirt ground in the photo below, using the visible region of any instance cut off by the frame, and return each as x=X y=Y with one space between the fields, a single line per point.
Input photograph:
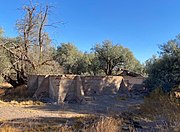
x=93 y=105
x=57 y=114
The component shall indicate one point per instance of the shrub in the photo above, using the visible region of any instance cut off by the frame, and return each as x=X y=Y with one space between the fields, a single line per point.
x=159 y=106
x=163 y=71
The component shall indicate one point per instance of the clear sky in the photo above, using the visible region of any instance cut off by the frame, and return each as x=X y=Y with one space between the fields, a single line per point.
x=140 y=25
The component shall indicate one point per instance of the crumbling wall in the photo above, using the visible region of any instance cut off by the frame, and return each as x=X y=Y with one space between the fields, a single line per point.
x=32 y=84
x=55 y=87
x=66 y=87
x=75 y=92
x=101 y=84
x=62 y=88
x=134 y=80
x=54 y=84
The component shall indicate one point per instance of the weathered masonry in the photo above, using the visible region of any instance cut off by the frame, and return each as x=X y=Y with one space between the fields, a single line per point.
x=61 y=88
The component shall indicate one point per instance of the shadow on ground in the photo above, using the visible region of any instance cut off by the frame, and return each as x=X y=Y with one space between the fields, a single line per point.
x=96 y=105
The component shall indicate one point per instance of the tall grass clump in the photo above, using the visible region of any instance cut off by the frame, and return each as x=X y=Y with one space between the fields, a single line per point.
x=105 y=124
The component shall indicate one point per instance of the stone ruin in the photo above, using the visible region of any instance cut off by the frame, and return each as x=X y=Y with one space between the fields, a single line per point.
x=73 y=88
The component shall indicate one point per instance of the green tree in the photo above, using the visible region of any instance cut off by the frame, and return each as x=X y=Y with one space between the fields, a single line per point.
x=88 y=64
x=94 y=64
x=111 y=57
x=81 y=65
x=130 y=62
x=164 y=70
x=67 y=55
x=75 y=62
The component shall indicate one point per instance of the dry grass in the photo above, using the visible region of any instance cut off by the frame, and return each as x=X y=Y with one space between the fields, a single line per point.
x=20 y=91
x=106 y=124
x=14 y=93
x=98 y=124
x=17 y=96
x=159 y=106
x=7 y=128
x=28 y=102
x=5 y=85
x=83 y=124
x=2 y=92
x=21 y=103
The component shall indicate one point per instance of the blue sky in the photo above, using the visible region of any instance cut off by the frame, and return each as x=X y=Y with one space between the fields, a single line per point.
x=140 y=25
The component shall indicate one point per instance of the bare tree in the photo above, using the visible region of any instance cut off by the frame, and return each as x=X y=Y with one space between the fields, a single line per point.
x=32 y=50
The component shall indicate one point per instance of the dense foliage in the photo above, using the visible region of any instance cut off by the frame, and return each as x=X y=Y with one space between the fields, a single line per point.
x=112 y=57
x=105 y=59
x=164 y=71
